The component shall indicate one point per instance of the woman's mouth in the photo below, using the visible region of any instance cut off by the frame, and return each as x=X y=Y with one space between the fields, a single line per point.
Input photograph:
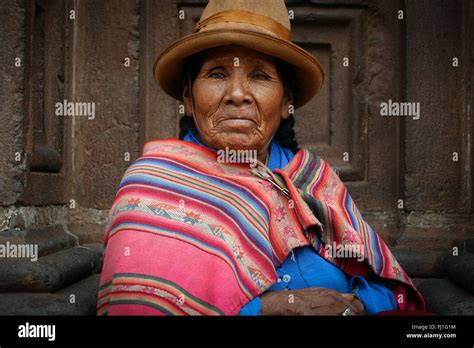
x=236 y=121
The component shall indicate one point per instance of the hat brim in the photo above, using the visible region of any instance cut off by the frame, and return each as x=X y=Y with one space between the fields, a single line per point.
x=169 y=65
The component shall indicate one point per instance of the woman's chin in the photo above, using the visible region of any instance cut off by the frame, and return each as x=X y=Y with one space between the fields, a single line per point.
x=237 y=143
x=236 y=140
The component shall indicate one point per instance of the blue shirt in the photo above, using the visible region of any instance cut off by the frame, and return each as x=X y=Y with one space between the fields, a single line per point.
x=304 y=268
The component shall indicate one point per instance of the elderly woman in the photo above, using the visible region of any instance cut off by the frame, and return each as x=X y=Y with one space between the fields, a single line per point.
x=194 y=232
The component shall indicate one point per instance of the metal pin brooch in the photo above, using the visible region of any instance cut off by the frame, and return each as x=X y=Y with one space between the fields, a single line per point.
x=262 y=173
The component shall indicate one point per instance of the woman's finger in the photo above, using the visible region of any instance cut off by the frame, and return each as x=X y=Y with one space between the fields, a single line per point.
x=355 y=301
x=353 y=306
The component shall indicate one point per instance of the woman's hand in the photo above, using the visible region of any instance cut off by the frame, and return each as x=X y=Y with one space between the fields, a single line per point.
x=310 y=301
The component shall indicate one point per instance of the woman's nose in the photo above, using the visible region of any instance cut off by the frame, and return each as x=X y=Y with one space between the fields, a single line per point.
x=237 y=91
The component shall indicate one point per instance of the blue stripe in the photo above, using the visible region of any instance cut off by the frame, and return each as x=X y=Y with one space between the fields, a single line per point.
x=210 y=199
x=245 y=195
x=265 y=252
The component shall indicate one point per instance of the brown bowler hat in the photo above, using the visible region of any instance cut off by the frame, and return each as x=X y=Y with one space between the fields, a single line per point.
x=261 y=25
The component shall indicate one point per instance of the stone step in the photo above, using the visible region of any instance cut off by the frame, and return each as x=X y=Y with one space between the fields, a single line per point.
x=446 y=298
x=25 y=303
x=51 y=272
x=84 y=293
x=88 y=233
x=97 y=247
x=460 y=269
x=54 y=238
x=46 y=240
x=77 y=299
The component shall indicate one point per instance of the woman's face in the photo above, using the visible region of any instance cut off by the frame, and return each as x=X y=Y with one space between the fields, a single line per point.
x=239 y=99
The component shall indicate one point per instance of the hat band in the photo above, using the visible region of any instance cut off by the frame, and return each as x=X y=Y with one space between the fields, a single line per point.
x=240 y=16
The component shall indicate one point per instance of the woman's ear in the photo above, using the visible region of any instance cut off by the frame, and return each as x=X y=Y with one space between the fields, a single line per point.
x=287 y=106
x=188 y=107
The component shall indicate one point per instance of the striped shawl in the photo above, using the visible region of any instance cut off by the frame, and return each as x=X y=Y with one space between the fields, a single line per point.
x=188 y=235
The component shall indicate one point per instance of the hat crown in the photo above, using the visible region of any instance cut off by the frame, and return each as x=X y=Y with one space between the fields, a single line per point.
x=270 y=16
x=260 y=25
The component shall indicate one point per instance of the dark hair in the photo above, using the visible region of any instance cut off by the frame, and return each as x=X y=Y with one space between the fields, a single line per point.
x=285 y=134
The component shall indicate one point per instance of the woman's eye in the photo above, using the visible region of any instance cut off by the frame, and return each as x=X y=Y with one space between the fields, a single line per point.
x=216 y=75
x=260 y=76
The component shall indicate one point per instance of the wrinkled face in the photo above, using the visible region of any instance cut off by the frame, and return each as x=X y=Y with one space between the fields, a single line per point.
x=239 y=99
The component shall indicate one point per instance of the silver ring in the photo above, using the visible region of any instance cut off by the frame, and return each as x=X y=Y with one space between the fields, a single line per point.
x=346 y=312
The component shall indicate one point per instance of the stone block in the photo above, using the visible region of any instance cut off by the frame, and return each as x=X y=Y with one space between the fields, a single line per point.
x=101 y=143
x=12 y=159
x=88 y=233
x=78 y=299
x=445 y=298
x=460 y=269
x=85 y=295
x=49 y=273
x=433 y=181
x=48 y=239
x=34 y=304
x=420 y=264
x=99 y=249
x=469 y=245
